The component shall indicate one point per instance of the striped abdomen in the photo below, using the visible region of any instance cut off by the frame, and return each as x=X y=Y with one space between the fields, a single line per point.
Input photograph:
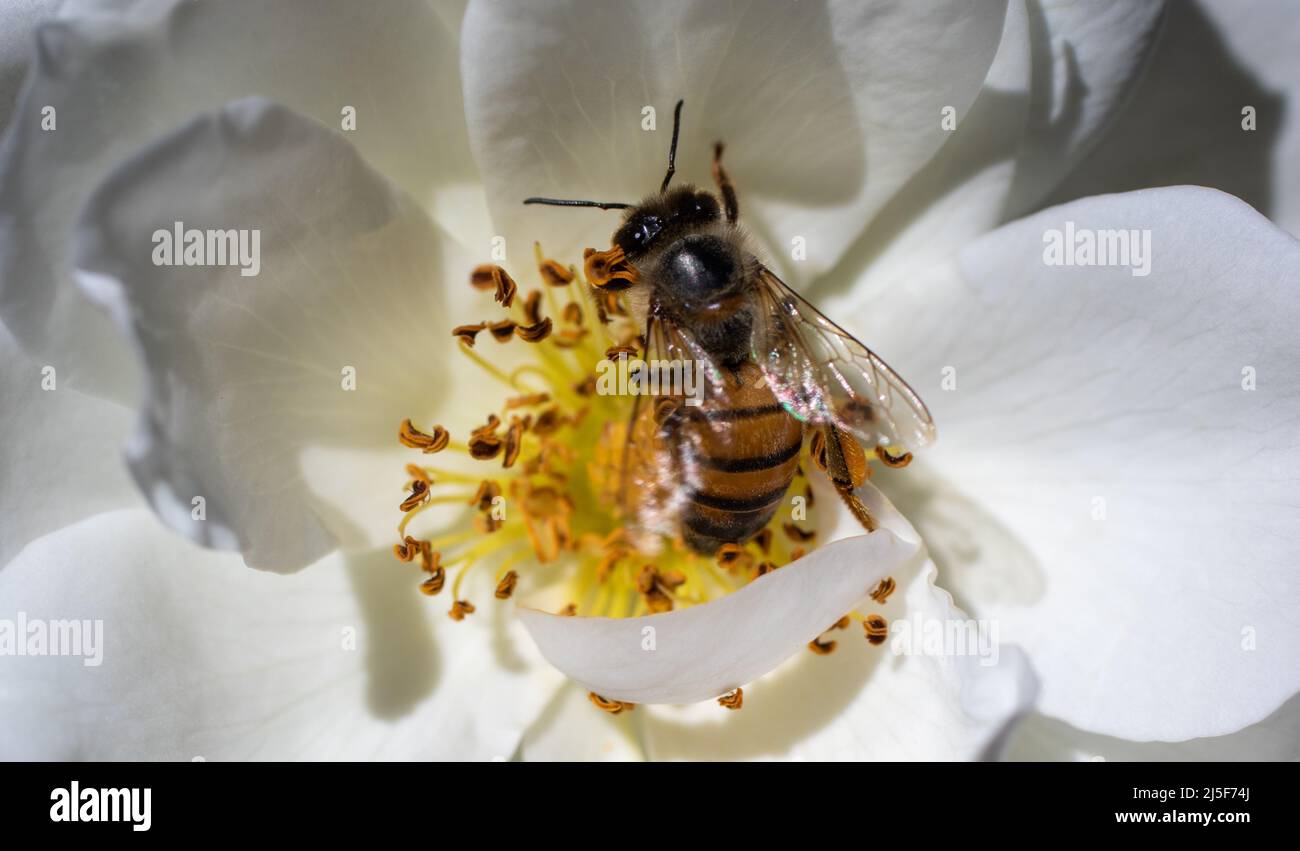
x=738 y=454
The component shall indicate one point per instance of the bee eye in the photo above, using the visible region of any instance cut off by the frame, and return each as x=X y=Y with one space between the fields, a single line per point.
x=703 y=208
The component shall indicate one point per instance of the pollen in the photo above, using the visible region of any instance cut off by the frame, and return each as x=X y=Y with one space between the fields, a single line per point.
x=732 y=700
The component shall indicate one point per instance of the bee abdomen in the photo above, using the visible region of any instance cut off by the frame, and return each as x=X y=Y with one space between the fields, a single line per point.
x=742 y=460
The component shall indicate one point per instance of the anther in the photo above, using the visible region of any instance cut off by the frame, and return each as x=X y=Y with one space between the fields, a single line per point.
x=468 y=333
x=412 y=437
x=491 y=277
x=514 y=442
x=620 y=352
x=506 y=586
x=488 y=490
x=433 y=584
x=883 y=589
x=419 y=493
x=408 y=549
x=890 y=460
x=732 y=700
x=555 y=274
x=876 y=628
x=533 y=307
x=613 y=707
x=733 y=557
x=548 y=422
x=609 y=270
x=794 y=533
x=536 y=332
x=655 y=588
x=502 y=331
x=484 y=443
x=460 y=608
x=821 y=648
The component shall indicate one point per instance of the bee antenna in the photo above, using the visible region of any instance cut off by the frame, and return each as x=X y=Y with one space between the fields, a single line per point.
x=672 y=150
x=568 y=202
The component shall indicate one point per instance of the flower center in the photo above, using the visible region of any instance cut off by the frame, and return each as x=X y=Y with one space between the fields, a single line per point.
x=550 y=508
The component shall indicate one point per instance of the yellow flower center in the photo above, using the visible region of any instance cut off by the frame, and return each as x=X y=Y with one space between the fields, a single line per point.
x=548 y=504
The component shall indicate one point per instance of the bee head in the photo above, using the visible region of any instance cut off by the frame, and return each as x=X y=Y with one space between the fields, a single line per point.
x=664 y=218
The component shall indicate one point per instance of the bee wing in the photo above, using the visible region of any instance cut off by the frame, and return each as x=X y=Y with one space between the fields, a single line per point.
x=654 y=481
x=822 y=374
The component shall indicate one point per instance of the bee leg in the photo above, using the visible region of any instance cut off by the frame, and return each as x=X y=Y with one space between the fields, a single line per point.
x=720 y=177
x=857 y=509
x=846 y=466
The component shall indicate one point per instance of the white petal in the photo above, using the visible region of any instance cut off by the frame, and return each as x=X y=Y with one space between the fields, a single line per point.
x=118 y=77
x=1118 y=499
x=1185 y=123
x=60 y=457
x=345 y=661
x=827 y=109
x=701 y=652
x=572 y=729
x=1060 y=76
x=17 y=20
x=1275 y=739
x=906 y=700
x=1088 y=59
x=247 y=373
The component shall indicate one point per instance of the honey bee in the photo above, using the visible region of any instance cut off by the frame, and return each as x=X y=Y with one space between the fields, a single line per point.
x=774 y=371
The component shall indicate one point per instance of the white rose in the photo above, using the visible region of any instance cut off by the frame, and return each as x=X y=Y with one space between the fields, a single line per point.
x=1112 y=494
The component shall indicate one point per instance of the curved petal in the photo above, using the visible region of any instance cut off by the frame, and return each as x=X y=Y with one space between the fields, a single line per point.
x=1107 y=446
x=330 y=344
x=870 y=704
x=1187 y=121
x=1061 y=74
x=60 y=455
x=704 y=651
x=119 y=76
x=943 y=688
x=827 y=108
x=196 y=660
